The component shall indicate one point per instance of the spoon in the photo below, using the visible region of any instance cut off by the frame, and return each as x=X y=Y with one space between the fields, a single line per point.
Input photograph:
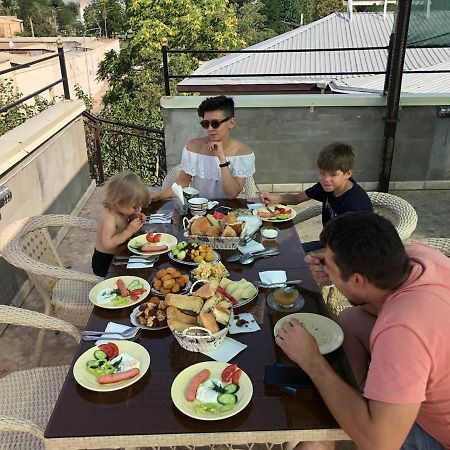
x=125 y=334
x=276 y=285
x=249 y=258
x=238 y=256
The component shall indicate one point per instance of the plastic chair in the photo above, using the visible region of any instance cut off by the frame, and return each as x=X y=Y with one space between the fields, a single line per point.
x=27 y=397
x=27 y=244
x=249 y=191
x=396 y=209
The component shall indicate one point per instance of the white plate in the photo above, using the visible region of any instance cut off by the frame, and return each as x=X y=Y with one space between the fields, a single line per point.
x=328 y=334
x=247 y=300
x=166 y=239
x=157 y=326
x=89 y=381
x=111 y=283
x=244 y=394
x=291 y=216
x=192 y=263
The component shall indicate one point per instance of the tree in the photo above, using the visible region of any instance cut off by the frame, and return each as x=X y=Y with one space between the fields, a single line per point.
x=108 y=15
x=252 y=23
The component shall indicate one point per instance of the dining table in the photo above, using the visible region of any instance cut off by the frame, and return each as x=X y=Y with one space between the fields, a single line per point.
x=144 y=415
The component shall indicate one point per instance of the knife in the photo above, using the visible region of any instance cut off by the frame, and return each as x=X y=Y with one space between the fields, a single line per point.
x=134 y=261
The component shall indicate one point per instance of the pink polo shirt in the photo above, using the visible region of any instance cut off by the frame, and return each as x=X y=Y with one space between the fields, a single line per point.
x=410 y=343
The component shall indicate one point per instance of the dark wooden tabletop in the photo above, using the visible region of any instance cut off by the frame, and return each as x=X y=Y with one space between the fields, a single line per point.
x=146 y=408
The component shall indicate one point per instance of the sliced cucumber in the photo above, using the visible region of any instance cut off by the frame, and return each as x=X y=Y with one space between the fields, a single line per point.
x=135 y=284
x=212 y=408
x=98 y=354
x=92 y=364
x=227 y=399
x=231 y=388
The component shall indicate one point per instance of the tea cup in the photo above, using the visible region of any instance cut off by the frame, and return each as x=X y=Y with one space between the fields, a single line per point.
x=198 y=206
x=190 y=192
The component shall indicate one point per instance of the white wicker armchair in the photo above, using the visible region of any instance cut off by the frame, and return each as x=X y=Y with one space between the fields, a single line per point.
x=250 y=190
x=396 y=209
x=27 y=397
x=27 y=244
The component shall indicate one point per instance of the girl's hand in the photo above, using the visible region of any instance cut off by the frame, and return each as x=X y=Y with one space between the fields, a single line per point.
x=134 y=225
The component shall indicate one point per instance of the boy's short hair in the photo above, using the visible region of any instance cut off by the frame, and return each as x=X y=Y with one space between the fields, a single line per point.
x=336 y=156
x=126 y=189
x=367 y=243
x=219 y=103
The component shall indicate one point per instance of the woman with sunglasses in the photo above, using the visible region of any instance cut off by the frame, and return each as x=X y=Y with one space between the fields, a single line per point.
x=217 y=164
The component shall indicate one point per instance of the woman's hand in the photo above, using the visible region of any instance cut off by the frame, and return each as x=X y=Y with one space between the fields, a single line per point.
x=216 y=149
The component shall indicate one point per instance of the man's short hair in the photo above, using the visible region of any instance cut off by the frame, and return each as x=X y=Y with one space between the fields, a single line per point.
x=336 y=156
x=368 y=244
x=219 y=103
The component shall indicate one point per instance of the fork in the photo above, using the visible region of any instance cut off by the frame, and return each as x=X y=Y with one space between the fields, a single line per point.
x=126 y=334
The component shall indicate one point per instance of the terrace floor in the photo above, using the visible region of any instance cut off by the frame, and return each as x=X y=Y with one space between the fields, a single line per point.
x=17 y=343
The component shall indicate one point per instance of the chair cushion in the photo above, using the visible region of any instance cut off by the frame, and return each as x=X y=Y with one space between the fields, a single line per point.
x=29 y=395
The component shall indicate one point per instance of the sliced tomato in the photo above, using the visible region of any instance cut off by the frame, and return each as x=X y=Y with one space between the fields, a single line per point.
x=236 y=376
x=227 y=373
x=138 y=292
x=110 y=349
x=149 y=237
x=218 y=215
x=157 y=238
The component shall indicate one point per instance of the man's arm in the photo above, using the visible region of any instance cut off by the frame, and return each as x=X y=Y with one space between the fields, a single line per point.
x=370 y=424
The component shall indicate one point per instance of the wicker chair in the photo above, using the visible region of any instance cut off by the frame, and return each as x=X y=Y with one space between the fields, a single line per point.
x=27 y=244
x=396 y=209
x=250 y=190
x=336 y=302
x=27 y=397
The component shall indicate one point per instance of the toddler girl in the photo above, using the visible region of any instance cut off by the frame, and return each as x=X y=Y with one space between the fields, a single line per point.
x=126 y=194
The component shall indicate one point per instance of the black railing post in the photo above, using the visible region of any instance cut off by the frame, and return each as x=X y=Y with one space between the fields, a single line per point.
x=165 y=66
x=62 y=65
x=388 y=65
x=394 y=91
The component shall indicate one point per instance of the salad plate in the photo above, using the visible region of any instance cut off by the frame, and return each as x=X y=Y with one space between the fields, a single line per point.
x=89 y=381
x=166 y=239
x=274 y=213
x=106 y=293
x=183 y=379
x=328 y=334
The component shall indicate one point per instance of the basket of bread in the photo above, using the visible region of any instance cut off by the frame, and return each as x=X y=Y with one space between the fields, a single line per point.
x=199 y=321
x=220 y=231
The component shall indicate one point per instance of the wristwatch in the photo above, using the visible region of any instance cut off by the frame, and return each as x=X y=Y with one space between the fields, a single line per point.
x=225 y=164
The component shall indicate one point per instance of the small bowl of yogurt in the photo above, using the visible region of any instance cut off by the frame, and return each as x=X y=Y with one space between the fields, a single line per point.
x=269 y=232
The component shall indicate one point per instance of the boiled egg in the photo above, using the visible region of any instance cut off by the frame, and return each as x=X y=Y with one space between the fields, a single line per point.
x=127 y=362
x=206 y=392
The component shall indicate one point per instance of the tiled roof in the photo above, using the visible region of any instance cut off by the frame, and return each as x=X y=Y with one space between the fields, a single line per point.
x=333 y=31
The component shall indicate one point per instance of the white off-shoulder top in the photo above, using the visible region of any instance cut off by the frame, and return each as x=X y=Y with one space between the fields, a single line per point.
x=205 y=171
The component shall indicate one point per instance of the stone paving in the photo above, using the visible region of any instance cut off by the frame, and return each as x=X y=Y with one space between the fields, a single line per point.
x=17 y=343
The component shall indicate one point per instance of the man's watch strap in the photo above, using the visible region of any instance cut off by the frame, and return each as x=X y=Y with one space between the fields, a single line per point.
x=225 y=164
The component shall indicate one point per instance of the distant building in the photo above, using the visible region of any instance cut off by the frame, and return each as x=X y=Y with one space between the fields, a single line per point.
x=10 y=26
x=82 y=4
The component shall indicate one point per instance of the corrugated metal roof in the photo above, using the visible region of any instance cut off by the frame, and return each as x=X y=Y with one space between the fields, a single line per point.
x=429 y=83
x=333 y=31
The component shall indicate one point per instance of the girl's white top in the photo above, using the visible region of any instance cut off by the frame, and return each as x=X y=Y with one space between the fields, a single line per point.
x=206 y=173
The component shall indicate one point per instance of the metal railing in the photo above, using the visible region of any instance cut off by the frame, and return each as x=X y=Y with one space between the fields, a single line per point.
x=63 y=79
x=114 y=146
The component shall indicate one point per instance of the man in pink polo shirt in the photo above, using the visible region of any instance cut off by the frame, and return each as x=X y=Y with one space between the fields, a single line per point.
x=397 y=336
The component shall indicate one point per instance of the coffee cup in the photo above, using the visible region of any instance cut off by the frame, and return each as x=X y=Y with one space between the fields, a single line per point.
x=190 y=192
x=198 y=206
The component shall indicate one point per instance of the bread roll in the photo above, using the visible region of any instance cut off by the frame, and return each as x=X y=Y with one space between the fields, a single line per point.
x=208 y=305
x=238 y=227
x=222 y=315
x=205 y=291
x=212 y=231
x=187 y=302
x=230 y=218
x=229 y=232
x=213 y=221
x=179 y=316
x=175 y=325
x=199 y=226
x=208 y=321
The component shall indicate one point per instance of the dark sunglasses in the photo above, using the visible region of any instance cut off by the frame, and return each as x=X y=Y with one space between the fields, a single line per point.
x=215 y=123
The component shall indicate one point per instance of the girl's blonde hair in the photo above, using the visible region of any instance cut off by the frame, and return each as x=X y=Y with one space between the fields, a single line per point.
x=126 y=189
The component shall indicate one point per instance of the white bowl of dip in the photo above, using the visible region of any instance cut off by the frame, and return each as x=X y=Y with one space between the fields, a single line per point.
x=269 y=233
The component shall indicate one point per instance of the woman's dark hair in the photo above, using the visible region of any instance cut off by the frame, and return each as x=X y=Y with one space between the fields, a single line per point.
x=366 y=243
x=220 y=103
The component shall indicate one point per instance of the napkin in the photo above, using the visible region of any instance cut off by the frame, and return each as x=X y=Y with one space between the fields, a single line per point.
x=273 y=276
x=111 y=328
x=252 y=206
x=178 y=191
x=252 y=224
x=226 y=351
x=247 y=321
x=153 y=220
x=141 y=264
x=251 y=247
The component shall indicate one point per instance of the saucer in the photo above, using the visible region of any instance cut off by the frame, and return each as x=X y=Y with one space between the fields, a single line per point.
x=297 y=306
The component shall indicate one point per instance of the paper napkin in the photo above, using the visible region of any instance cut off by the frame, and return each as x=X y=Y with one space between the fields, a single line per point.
x=226 y=351
x=178 y=191
x=112 y=327
x=156 y=219
x=251 y=247
x=273 y=276
x=252 y=224
x=247 y=324
x=252 y=206
x=141 y=264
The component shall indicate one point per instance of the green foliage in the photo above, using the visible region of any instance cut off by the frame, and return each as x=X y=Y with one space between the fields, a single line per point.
x=20 y=113
x=107 y=15
x=252 y=23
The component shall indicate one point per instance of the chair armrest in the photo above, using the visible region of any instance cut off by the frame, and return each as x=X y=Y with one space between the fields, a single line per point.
x=12 y=424
x=309 y=213
x=25 y=317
